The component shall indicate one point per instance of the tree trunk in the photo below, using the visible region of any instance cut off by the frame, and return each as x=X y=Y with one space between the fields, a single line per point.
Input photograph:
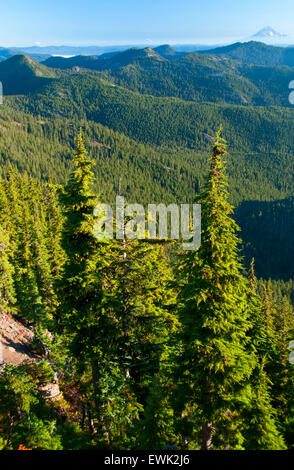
x=11 y=422
x=95 y=376
x=96 y=385
x=206 y=436
x=91 y=423
x=83 y=417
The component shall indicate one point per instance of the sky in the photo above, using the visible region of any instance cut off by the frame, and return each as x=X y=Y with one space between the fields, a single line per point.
x=110 y=22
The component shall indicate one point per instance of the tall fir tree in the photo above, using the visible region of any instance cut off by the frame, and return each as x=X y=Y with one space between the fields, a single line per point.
x=278 y=316
x=216 y=364
x=85 y=285
x=32 y=272
x=260 y=417
x=7 y=293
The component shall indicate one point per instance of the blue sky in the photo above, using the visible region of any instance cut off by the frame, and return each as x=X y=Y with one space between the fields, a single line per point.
x=85 y=22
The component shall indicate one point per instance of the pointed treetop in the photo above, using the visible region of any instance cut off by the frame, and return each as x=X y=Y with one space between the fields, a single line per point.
x=83 y=173
x=220 y=144
x=251 y=273
x=80 y=147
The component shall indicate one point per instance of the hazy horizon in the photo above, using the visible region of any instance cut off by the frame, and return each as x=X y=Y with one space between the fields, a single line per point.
x=288 y=40
x=111 y=23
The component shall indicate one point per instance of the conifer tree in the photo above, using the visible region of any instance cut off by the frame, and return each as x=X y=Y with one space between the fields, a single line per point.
x=32 y=270
x=7 y=298
x=214 y=367
x=24 y=418
x=54 y=221
x=156 y=430
x=4 y=206
x=142 y=302
x=279 y=318
x=260 y=422
x=260 y=417
x=146 y=309
x=83 y=286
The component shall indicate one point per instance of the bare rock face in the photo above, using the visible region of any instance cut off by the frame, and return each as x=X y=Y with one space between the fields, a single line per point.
x=51 y=391
x=15 y=340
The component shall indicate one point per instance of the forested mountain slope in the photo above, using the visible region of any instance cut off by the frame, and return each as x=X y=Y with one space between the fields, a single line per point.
x=156 y=145
x=194 y=77
x=147 y=346
x=257 y=53
x=21 y=74
x=160 y=120
x=54 y=271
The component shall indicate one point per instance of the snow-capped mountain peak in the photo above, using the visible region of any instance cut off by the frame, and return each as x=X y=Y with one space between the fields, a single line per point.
x=268 y=32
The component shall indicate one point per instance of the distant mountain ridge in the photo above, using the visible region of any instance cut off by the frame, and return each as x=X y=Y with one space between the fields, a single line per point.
x=251 y=52
x=168 y=52
x=6 y=53
x=83 y=61
x=256 y=53
x=99 y=50
x=133 y=55
x=72 y=50
x=106 y=61
x=21 y=74
x=240 y=74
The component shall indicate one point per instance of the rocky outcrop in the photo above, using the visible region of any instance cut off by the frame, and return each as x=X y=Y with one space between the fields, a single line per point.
x=15 y=341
